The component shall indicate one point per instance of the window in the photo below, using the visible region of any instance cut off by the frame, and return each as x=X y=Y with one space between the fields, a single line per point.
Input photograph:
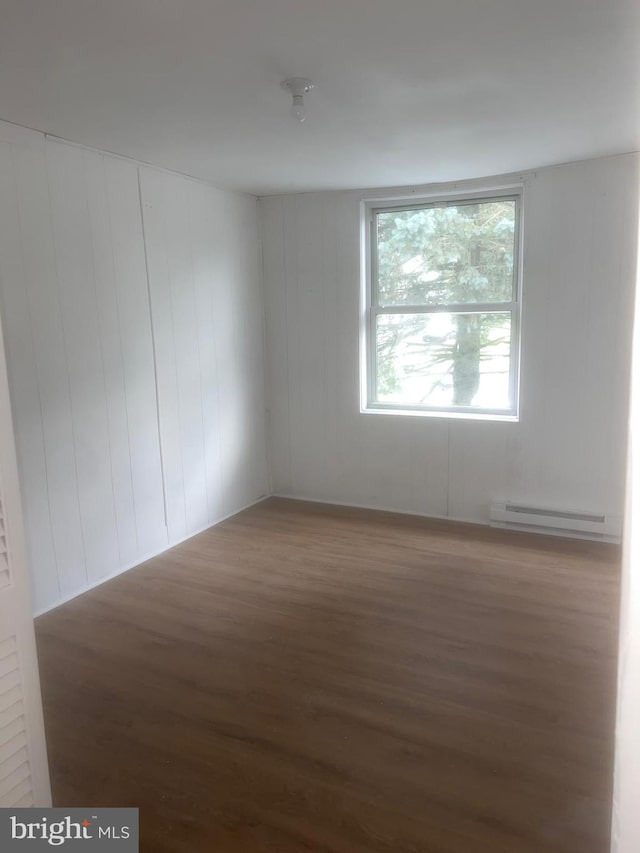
x=441 y=319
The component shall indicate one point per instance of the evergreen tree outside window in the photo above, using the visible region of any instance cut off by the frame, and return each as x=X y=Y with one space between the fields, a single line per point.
x=443 y=307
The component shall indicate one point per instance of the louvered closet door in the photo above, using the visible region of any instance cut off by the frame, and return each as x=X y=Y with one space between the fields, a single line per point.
x=24 y=775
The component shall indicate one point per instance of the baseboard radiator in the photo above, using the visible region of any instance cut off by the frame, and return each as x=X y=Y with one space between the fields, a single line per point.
x=556 y=522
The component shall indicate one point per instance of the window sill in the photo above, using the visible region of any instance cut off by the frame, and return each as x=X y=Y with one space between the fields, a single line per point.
x=449 y=415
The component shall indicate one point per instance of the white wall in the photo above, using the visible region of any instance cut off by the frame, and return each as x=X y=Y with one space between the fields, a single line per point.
x=568 y=448
x=77 y=320
x=203 y=260
x=140 y=421
x=625 y=831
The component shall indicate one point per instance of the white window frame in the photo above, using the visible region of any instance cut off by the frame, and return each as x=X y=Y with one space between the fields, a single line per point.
x=370 y=309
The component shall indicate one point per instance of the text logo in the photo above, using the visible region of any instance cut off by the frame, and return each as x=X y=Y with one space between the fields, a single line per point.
x=105 y=830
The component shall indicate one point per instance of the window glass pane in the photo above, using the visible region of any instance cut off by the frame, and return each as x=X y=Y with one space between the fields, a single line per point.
x=446 y=255
x=443 y=360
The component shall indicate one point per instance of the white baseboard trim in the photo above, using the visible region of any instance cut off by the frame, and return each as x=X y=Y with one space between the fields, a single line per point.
x=120 y=571
x=453 y=518
x=378 y=508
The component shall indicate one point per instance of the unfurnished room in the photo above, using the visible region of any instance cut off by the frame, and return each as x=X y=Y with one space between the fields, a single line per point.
x=319 y=405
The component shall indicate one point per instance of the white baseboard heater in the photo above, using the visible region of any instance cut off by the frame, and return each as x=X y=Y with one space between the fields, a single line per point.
x=556 y=522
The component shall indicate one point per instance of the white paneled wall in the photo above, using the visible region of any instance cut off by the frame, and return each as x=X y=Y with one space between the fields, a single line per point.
x=202 y=255
x=580 y=230
x=78 y=328
x=133 y=320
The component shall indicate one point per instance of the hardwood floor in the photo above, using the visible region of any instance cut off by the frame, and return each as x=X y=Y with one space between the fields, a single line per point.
x=314 y=678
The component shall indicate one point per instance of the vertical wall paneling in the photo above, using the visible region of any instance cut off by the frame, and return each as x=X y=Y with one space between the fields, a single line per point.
x=85 y=364
x=176 y=209
x=80 y=363
x=229 y=338
x=137 y=354
x=160 y=289
x=113 y=357
x=320 y=445
x=294 y=333
x=130 y=434
x=43 y=294
x=249 y=386
x=310 y=326
x=25 y=395
x=273 y=252
x=566 y=451
x=202 y=257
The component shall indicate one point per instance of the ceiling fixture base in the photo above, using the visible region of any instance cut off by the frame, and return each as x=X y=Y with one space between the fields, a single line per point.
x=298 y=88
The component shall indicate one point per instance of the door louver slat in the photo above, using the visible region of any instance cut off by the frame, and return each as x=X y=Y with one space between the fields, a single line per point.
x=15 y=772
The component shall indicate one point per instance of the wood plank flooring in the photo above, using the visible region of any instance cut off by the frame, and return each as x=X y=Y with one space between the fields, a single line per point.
x=314 y=678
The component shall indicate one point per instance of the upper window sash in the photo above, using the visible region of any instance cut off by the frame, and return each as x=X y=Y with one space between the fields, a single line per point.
x=415 y=304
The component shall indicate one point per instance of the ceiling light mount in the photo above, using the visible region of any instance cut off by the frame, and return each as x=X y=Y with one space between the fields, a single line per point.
x=298 y=87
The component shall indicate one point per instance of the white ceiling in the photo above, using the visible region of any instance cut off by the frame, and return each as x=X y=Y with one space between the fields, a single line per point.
x=408 y=91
